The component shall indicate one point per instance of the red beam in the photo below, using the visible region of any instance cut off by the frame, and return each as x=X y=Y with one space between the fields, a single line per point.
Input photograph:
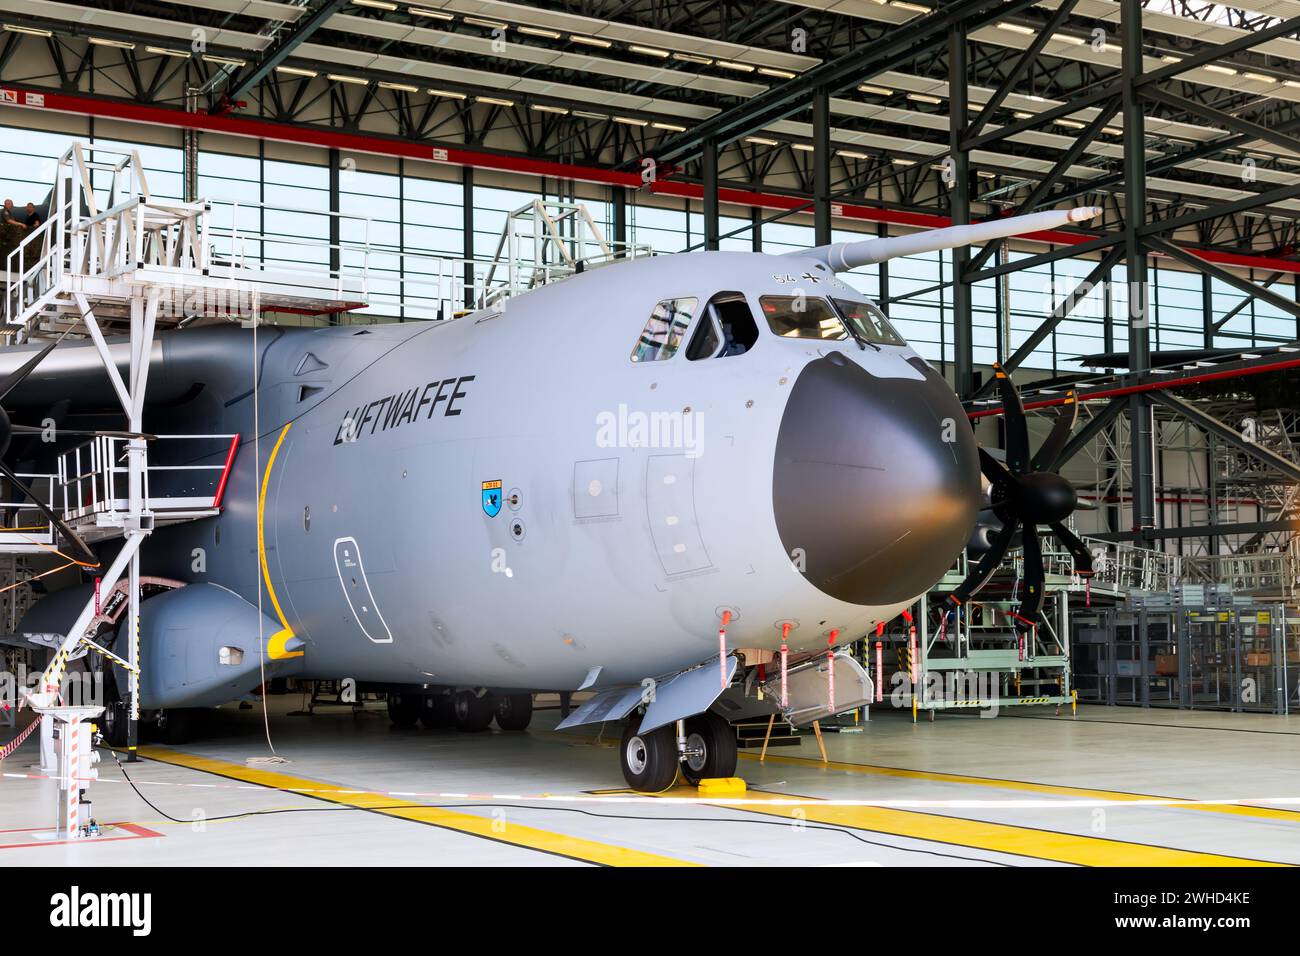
x=307 y=135
x=1155 y=386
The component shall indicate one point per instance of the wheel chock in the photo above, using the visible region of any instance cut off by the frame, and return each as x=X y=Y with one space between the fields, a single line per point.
x=721 y=786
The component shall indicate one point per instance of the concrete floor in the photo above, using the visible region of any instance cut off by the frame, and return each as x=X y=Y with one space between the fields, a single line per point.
x=1024 y=789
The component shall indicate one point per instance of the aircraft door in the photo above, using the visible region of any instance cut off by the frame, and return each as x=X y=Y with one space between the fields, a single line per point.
x=670 y=507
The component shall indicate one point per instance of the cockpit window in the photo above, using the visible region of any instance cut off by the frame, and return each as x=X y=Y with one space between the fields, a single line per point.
x=802 y=317
x=868 y=322
x=664 y=330
x=726 y=328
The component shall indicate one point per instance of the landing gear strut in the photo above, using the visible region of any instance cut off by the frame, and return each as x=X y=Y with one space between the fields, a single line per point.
x=700 y=747
x=710 y=749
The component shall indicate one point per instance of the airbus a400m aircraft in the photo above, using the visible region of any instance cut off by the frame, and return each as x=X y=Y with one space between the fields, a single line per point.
x=468 y=511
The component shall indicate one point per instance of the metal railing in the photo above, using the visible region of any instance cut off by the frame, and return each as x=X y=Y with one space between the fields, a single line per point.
x=92 y=478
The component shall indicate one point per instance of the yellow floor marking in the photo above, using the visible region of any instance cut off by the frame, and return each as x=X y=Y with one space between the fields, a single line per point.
x=978 y=835
x=1266 y=813
x=530 y=838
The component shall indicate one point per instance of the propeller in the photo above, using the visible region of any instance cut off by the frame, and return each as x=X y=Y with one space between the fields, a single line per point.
x=8 y=429
x=1025 y=493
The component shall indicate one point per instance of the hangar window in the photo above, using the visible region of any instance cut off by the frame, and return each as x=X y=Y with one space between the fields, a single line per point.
x=726 y=328
x=869 y=322
x=802 y=317
x=664 y=330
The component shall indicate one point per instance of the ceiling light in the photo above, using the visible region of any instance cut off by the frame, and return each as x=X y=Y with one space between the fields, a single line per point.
x=425 y=12
x=340 y=78
x=1069 y=123
x=760 y=141
x=1113 y=130
x=670 y=127
x=923 y=98
x=878 y=90
x=802 y=147
x=30 y=31
x=376 y=4
x=1215 y=68
x=493 y=101
x=1294 y=84
x=1171 y=59
x=630 y=121
x=986 y=174
x=223 y=60
x=594 y=116
x=490 y=24
x=447 y=94
x=649 y=51
x=164 y=51
x=539 y=32
x=850 y=154
x=1016 y=28
x=543 y=108
x=914 y=7
x=1019 y=114
x=773 y=71
x=295 y=71
x=904 y=162
x=692 y=58
x=590 y=41
x=400 y=87
x=1259 y=77
x=119 y=44
x=733 y=65
x=1066 y=38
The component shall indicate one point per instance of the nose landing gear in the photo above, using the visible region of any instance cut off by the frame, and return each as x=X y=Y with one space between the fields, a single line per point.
x=700 y=747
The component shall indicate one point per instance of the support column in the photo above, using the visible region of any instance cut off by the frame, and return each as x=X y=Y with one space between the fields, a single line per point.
x=957 y=178
x=467 y=231
x=821 y=158
x=618 y=214
x=1139 y=333
x=709 y=174
x=756 y=229
x=336 y=260
x=1207 y=311
x=190 y=151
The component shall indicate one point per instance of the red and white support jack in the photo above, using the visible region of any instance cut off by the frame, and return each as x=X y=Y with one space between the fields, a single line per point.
x=77 y=759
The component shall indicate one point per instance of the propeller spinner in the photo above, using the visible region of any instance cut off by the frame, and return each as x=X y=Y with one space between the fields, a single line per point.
x=1027 y=492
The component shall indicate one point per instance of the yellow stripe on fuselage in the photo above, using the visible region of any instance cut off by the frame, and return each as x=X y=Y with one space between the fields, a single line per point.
x=275 y=648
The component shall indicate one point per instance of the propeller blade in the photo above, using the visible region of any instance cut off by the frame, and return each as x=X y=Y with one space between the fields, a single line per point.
x=37 y=430
x=1031 y=604
x=988 y=563
x=15 y=378
x=1078 y=551
x=54 y=519
x=1013 y=420
x=993 y=469
x=1047 y=455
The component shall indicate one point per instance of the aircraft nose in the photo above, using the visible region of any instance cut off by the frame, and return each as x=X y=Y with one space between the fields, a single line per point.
x=876 y=482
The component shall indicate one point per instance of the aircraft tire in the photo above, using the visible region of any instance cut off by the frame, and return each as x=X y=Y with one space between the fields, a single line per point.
x=515 y=711
x=437 y=711
x=718 y=740
x=404 y=708
x=472 y=714
x=649 y=761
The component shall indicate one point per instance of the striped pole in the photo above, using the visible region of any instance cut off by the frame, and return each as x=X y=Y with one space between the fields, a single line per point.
x=71 y=731
x=785 y=655
x=722 y=649
x=830 y=670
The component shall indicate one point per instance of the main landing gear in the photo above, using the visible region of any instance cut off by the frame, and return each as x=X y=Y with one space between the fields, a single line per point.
x=465 y=710
x=700 y=747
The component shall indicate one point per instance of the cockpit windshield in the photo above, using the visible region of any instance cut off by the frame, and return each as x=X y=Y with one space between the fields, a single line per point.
x=802 y=317
x=868 y=322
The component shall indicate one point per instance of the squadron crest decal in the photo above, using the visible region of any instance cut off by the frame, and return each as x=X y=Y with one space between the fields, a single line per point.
x=492 y=498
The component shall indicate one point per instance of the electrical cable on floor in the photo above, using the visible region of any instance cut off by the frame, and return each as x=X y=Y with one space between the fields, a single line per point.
x=646 y=818
x=259 y=503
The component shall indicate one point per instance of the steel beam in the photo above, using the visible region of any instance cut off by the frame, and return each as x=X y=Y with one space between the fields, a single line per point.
x=821 y=159
x=957 y=177
x=1062 y=309
x=1084 y=436
x=1141 y=439
x=1223 y=275
x=1220 y=118
x=898 y=46
x=1206 y=531
x=280 y=50
x=709 y=175
x=1226 y=433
